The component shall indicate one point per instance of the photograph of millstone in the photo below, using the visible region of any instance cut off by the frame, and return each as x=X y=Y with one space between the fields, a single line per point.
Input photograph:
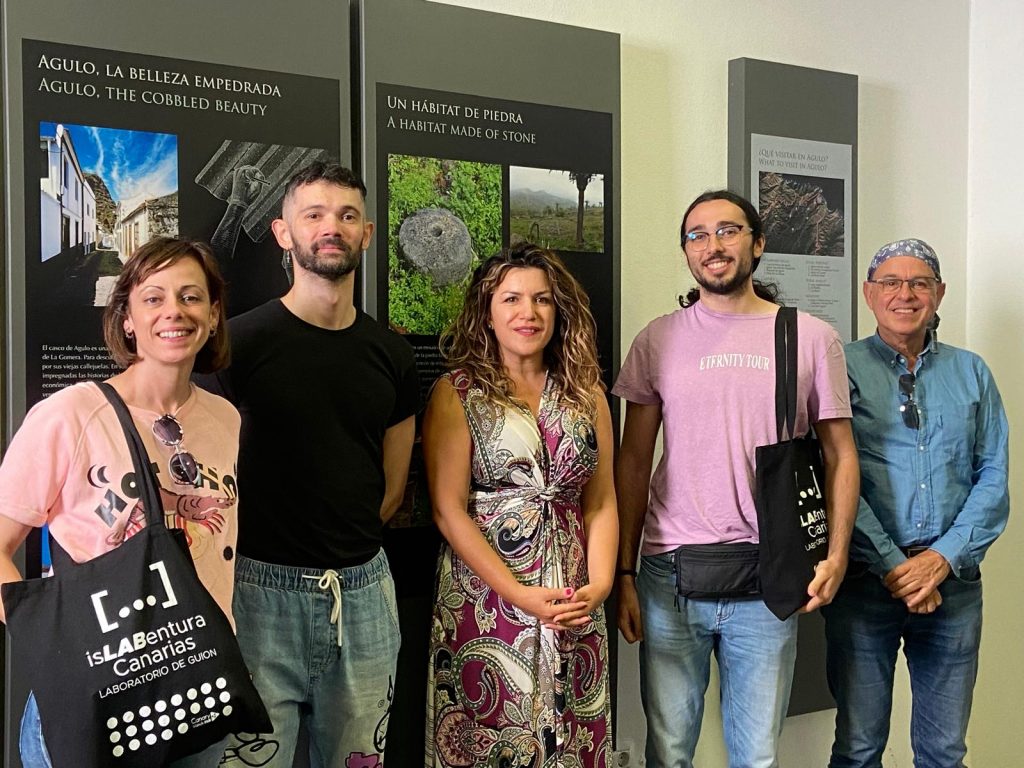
x=802 y=215
x=561 y=210
x=444 y=218
x=103 y=192
x=436 y=243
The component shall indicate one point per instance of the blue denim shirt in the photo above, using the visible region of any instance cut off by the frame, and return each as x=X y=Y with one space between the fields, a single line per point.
x=943 y=485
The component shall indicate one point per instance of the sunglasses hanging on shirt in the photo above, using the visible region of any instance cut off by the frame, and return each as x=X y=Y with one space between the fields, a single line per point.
x=908 y=408
x=182 y=464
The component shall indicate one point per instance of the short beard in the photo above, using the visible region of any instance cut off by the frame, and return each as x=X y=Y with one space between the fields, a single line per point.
x=726 y=287
x=333 y=268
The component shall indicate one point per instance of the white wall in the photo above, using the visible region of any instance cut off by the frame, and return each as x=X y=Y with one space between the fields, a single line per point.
x=995 y=291
x=912 y=58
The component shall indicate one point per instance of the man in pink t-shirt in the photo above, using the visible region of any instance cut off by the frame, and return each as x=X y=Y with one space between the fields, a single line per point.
x=707 y=374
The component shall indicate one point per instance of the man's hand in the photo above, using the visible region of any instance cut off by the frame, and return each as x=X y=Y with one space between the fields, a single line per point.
x=630 y=625
x=929 y=604
x=828 y=575
x=914 y=580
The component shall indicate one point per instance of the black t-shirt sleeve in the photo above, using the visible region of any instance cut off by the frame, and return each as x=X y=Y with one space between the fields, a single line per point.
x=407 y=394
x=218 y=383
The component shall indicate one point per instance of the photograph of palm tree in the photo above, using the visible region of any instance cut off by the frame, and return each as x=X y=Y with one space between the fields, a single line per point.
x=558 y=209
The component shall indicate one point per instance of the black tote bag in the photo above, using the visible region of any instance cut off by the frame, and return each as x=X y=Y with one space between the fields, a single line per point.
x=133 y=663
x=789 y=490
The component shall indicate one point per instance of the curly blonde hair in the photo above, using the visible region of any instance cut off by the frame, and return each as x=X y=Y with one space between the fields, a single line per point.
x=571 y=355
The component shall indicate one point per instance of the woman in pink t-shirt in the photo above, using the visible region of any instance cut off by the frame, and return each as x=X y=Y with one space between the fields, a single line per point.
x=68 y=467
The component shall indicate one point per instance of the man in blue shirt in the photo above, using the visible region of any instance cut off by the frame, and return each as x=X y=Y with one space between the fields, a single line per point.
x=933 y=444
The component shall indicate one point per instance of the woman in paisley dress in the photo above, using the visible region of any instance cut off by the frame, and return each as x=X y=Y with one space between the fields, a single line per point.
x=518 y=449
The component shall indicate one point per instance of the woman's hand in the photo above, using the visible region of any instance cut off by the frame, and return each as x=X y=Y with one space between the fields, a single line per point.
x=585 y=601
x=546 y=603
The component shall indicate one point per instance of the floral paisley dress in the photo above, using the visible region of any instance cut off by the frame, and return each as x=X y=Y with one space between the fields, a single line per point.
x=502 y=690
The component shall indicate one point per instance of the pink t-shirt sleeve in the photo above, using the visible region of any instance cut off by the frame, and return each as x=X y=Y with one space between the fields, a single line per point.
x=829 y=398
x=38 y=459
x=635 y=382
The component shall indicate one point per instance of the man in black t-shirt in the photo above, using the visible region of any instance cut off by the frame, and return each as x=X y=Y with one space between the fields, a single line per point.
x=328 y=400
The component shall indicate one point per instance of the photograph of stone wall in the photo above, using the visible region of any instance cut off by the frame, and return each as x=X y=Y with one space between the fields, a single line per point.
x=802 y=214
x=444 y=218
x=561 y=210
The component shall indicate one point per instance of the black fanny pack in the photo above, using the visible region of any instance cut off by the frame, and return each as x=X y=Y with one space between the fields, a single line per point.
x=715 y=571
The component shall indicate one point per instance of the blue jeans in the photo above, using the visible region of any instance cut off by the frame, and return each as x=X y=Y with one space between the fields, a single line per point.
x=322 y=646
x=30 y=743
x=755 y=652
x=864 y=627
x=35 y=755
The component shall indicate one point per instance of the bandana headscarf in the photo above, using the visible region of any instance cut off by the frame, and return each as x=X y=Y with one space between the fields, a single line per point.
x=919 y=249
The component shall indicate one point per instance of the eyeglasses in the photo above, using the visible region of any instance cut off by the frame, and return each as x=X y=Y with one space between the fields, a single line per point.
x=917 y=284
x=908 y=409
x=727 y=235
x=182 y=464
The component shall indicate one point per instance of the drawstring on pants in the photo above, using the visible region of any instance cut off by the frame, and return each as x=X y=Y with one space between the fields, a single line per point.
x=330 y=581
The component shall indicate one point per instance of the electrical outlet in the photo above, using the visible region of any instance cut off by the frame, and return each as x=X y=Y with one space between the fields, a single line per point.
x=623 y=756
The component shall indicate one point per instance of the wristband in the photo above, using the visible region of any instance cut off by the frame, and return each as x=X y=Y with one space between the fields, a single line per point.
x=626 y=572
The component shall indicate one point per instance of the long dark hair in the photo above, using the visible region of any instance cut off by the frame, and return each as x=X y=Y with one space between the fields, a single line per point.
x=762 y=289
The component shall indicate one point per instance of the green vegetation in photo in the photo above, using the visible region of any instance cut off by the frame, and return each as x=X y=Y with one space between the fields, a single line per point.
x=471 y=191
x=555 y=227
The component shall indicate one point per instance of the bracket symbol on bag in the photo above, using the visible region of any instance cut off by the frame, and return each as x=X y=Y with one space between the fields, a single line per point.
x=170 y=600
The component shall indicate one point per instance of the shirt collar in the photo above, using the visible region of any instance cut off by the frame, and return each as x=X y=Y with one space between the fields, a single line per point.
x=893 y=358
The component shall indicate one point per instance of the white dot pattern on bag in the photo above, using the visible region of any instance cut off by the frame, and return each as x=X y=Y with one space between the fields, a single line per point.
x=135 y=730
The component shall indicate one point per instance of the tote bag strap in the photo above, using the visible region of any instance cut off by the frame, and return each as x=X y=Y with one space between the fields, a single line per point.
x=785 y=373
x=149 y=490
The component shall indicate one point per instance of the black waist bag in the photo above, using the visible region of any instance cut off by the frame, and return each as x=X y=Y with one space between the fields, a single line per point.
x=716 y=571
x=132 y=662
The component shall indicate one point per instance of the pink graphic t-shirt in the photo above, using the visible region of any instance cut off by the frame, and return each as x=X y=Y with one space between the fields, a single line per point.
x=68 y=466
x=714 y=376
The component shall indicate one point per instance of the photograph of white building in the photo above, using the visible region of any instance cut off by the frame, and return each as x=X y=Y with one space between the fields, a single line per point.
x=67 y=215
x=104 y=192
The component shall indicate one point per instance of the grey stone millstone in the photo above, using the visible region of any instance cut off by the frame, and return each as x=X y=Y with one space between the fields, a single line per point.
x=436 y=242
